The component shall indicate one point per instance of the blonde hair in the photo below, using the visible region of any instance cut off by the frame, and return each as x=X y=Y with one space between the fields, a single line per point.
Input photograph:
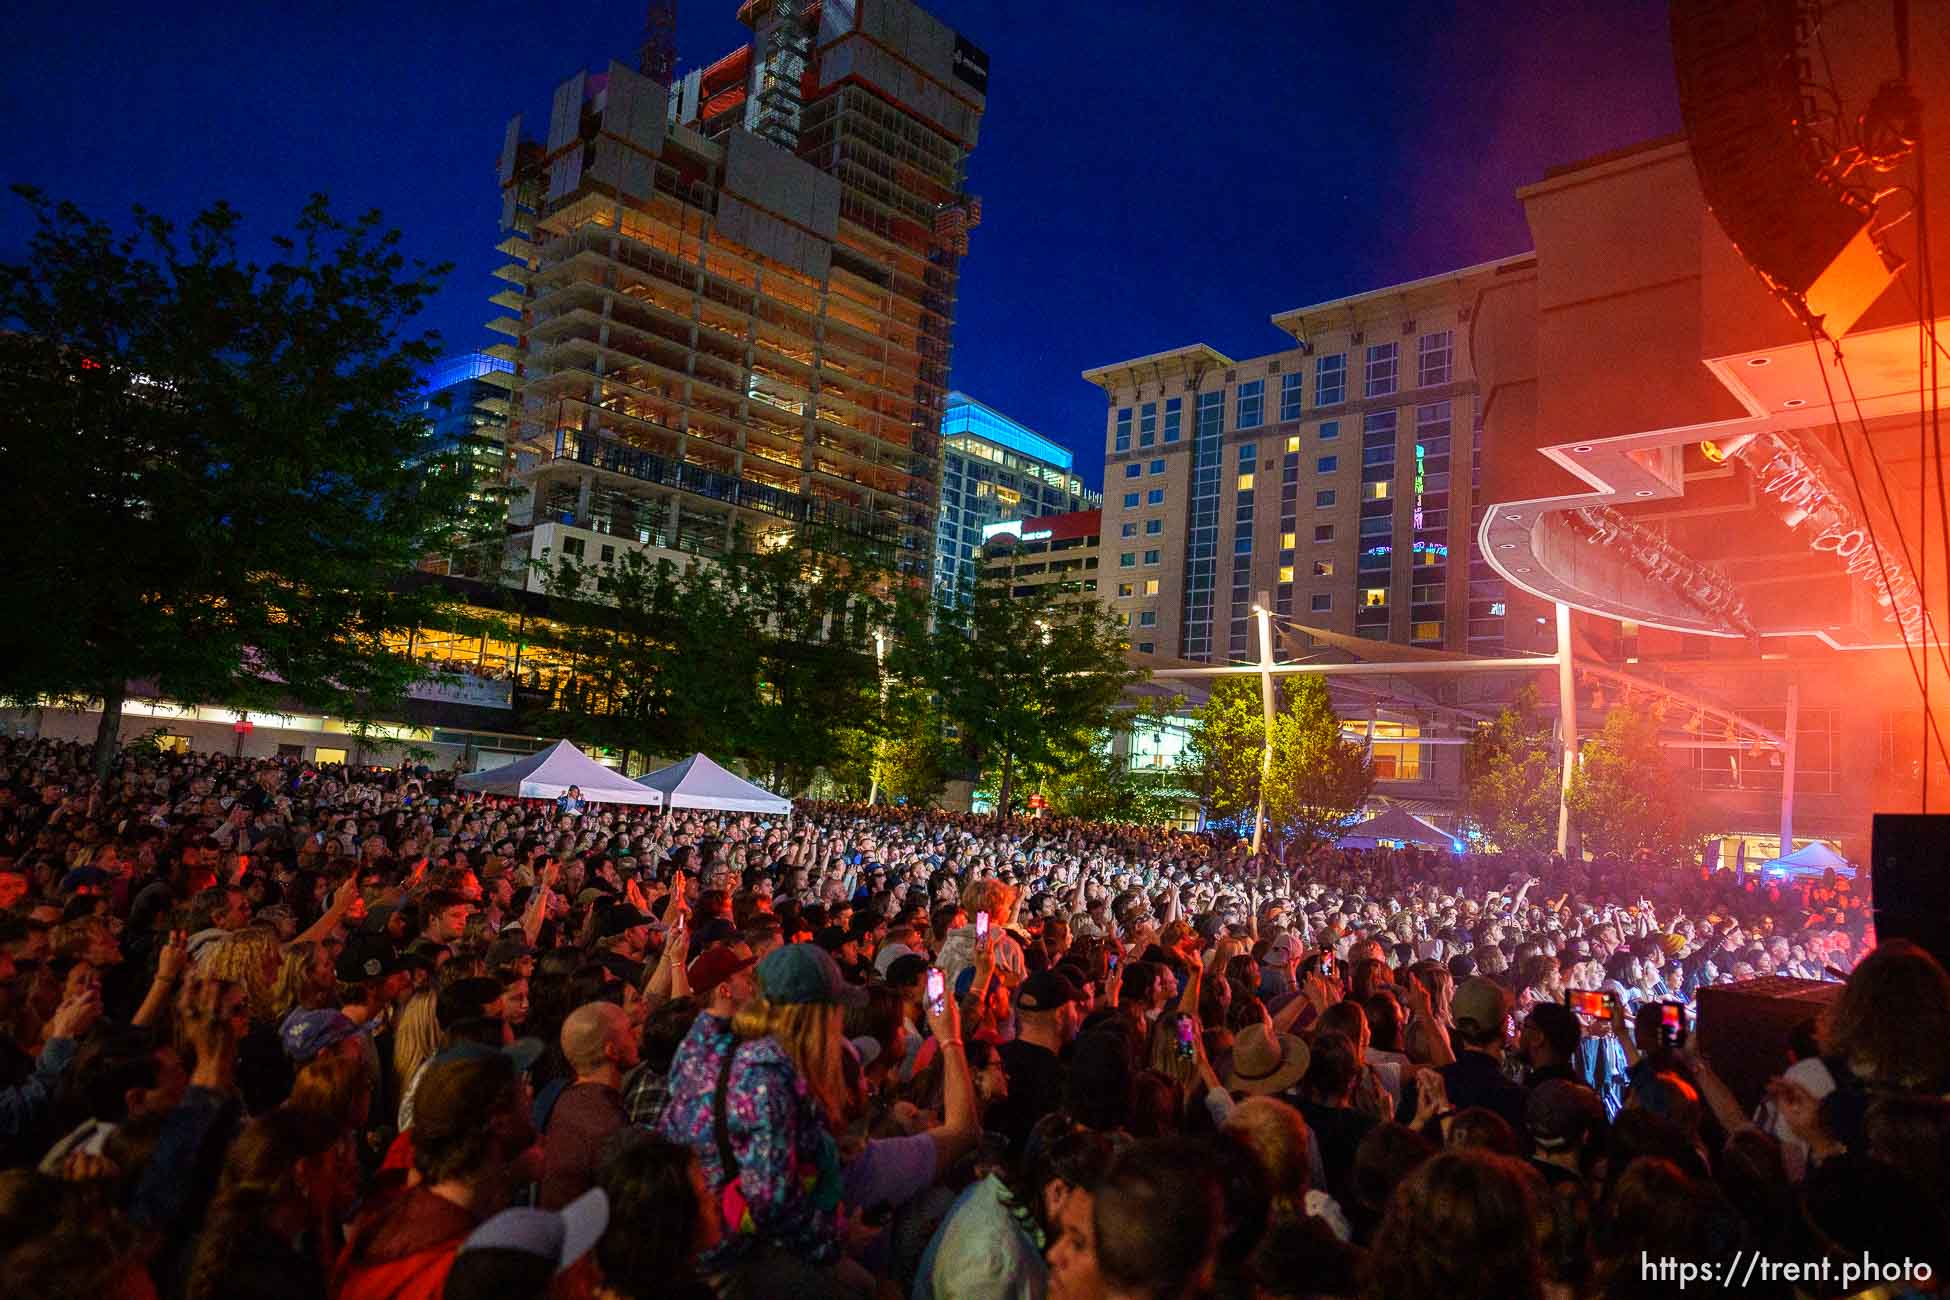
x=289 y=990
x=996 y=897
x=241 y=958
x=416 y=1037
x=1165 y=1057
x=809 y=1035
x=1277 y=1136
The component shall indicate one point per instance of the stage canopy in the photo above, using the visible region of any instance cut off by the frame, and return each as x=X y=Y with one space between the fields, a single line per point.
x=1810 y=860
x=550 y=773
x=697 y=782
x=1395 y=825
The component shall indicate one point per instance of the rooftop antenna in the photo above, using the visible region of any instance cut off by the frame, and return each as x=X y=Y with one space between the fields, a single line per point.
x=659 y=58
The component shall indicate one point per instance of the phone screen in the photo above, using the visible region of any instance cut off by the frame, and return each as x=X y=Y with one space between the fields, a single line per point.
x=937 y=992
x=1587 y=1003
x=1327 y=964
x=1111 y=959
x=1185 y=1039
x=981 y=925
x=1672 y=1023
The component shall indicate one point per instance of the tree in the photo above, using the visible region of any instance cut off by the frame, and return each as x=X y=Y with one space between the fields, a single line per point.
x=1511 y=775
x=1025 y=681
x=1624 y=796
x=1224 y=752
x=1318 y=779
x=220 y=461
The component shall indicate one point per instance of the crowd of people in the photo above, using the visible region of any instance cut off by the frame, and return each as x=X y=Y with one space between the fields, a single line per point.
x=272 y=1029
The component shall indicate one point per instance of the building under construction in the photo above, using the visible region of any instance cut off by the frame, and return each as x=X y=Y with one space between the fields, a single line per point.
x=729 y=301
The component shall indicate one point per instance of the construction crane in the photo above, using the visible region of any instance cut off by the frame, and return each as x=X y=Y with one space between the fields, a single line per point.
x=659 y=58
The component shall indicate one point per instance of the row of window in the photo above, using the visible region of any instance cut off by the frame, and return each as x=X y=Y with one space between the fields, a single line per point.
x=1434 y=365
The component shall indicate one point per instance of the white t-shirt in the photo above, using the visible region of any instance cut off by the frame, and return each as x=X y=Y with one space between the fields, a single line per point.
x=1812 y=1074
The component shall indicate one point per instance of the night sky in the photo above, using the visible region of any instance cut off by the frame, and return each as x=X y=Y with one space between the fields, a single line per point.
x=1153 y=174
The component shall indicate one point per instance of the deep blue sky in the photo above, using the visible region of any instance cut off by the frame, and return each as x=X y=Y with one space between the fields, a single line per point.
x=1153 y=173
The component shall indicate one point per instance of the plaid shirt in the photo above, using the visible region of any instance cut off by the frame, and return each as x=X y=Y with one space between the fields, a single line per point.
x=645 y=1094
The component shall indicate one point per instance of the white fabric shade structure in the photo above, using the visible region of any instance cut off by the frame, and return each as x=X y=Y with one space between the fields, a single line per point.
x=697 y=782
x=1810 y=860
x=1395 y=825
x=549 y=774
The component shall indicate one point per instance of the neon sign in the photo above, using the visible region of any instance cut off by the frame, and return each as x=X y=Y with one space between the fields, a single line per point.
x=1421 y=465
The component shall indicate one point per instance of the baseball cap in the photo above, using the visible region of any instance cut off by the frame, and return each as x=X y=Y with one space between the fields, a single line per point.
x=367 y=957
x=1045 y=991
x=1283 y=949
x=1479 y=1003
x=802 y=973
x=519 y=1251
x=890 y=954
x=615 y=920
x=305 y=1034
x=713 y=967
x=507 y=950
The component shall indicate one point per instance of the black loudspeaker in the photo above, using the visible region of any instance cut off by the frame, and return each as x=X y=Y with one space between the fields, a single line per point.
x=1744 y=1029
x=1741 y=66
x=1910 y=858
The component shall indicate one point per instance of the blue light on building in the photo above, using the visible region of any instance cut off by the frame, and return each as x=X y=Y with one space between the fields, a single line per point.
x=994 y=468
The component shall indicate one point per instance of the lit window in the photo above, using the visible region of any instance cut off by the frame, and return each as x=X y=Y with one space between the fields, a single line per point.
x=1428 y=557
x=1323 y=568
x=1374 y=491
x=1286 y=573
x=1374 y=597
x=1293 y=443
x=1150 y=586
x=1126 y=589
x=1286 y=541
x=1427 y=632
x=1245 y=482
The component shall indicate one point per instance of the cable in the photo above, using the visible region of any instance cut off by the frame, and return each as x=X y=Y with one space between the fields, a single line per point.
x=1868 y=526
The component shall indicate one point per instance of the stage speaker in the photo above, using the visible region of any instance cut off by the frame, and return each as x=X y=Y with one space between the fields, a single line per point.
x=1909 y=856
x=1741 y=67
x=1744 y=1029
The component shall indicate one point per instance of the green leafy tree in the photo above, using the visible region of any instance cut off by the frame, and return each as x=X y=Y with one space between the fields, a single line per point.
x=221 y=461
x=1625 y=796
x=1318 y=779
x=1025 y=682
x=1511 y=775
x=663 y=659
x=1223 y=754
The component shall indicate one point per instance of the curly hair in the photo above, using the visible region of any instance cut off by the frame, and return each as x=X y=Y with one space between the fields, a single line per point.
x=251 y=959
x=1463 y=1224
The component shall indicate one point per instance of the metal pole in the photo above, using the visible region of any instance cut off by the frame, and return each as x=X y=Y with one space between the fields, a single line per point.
x=1265 y=618
x=1787 y=769
x=873 y=764
x=1567 y=695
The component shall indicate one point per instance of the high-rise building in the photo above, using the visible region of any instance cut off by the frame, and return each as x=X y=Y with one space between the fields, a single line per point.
x=1338 y=476
x=994 y=469
x=456 y=389
x=730 y=300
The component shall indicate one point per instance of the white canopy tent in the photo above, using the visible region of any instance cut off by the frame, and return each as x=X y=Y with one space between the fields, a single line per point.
x=1809 y=860
x=549 y=774
x=697 y=782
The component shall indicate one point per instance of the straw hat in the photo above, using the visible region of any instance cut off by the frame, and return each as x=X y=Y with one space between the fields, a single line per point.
x=1264 y=1063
